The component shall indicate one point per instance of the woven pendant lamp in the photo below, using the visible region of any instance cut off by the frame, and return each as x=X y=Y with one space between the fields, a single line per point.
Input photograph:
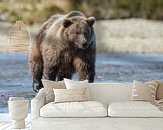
x=19 y=36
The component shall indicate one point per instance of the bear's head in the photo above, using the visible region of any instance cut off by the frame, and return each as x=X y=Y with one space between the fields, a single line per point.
x=78 y=31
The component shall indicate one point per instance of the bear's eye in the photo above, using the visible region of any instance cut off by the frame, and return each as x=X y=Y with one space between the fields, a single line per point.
x=77 y=32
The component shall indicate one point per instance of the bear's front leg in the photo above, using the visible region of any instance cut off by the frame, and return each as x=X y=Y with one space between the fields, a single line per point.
x=86 y=74
x=50 y=72
x=91 y=76
x=85 y=71
x=51 y=63
x=60 y=77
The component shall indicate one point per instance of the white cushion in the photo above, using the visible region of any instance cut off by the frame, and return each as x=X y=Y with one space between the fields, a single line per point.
x=133 y=109
x=74 y=109
x=70 y=84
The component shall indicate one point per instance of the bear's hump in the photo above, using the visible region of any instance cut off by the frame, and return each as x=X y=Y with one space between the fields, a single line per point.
x=75 y=13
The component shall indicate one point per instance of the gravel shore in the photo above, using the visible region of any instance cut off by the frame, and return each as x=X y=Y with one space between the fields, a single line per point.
x=128 y=35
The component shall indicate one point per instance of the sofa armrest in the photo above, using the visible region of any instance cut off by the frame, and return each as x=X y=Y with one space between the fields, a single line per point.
x=36 y=104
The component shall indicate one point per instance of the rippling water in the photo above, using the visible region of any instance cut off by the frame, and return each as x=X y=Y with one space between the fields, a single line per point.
x=16 y=80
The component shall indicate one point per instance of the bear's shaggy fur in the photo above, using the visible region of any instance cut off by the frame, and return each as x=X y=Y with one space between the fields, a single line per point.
x=65 y=44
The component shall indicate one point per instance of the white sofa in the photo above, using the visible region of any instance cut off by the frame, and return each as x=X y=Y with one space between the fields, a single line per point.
x=119 y=112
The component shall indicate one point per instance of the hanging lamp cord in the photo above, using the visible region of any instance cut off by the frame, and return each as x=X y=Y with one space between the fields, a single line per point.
x=19 y=17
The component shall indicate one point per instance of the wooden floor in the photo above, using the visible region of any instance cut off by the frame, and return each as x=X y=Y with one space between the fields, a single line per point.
x=5 y=122
x=7 y=126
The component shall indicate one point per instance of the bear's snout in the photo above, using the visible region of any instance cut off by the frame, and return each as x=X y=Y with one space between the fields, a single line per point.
x=85 y=45
x=84 y=42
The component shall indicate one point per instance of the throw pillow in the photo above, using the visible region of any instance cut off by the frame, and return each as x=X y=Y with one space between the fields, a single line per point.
x=70 y=84
x=144 y=91
x=159 y=93
x=70 y=95
x=49 y=86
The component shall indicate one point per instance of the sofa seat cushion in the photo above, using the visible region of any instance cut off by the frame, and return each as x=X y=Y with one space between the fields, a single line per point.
x=133 y=109
x=74 y=109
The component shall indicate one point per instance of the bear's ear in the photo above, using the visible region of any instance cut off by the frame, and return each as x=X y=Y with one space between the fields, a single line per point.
x=91 y=21
x=67 y=23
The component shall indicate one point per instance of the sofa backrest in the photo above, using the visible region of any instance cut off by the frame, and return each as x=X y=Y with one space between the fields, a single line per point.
x=109 y=92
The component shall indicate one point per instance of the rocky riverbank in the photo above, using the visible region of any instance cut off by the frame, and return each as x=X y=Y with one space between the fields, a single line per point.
x=129 y=35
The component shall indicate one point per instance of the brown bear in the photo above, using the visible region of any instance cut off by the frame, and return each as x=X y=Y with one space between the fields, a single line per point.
x=64 y=45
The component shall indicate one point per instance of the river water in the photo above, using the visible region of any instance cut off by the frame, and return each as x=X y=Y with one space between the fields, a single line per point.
x=16 y=80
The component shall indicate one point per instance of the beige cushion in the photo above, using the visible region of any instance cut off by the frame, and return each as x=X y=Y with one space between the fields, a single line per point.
x=70 y=95
x=133 y=109
x=70 y=84
x=49 y=86
x=144 y=91
x=159 y=94
x=74 y=109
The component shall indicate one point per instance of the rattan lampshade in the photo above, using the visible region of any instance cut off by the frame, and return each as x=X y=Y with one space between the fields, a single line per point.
x=19 y=37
